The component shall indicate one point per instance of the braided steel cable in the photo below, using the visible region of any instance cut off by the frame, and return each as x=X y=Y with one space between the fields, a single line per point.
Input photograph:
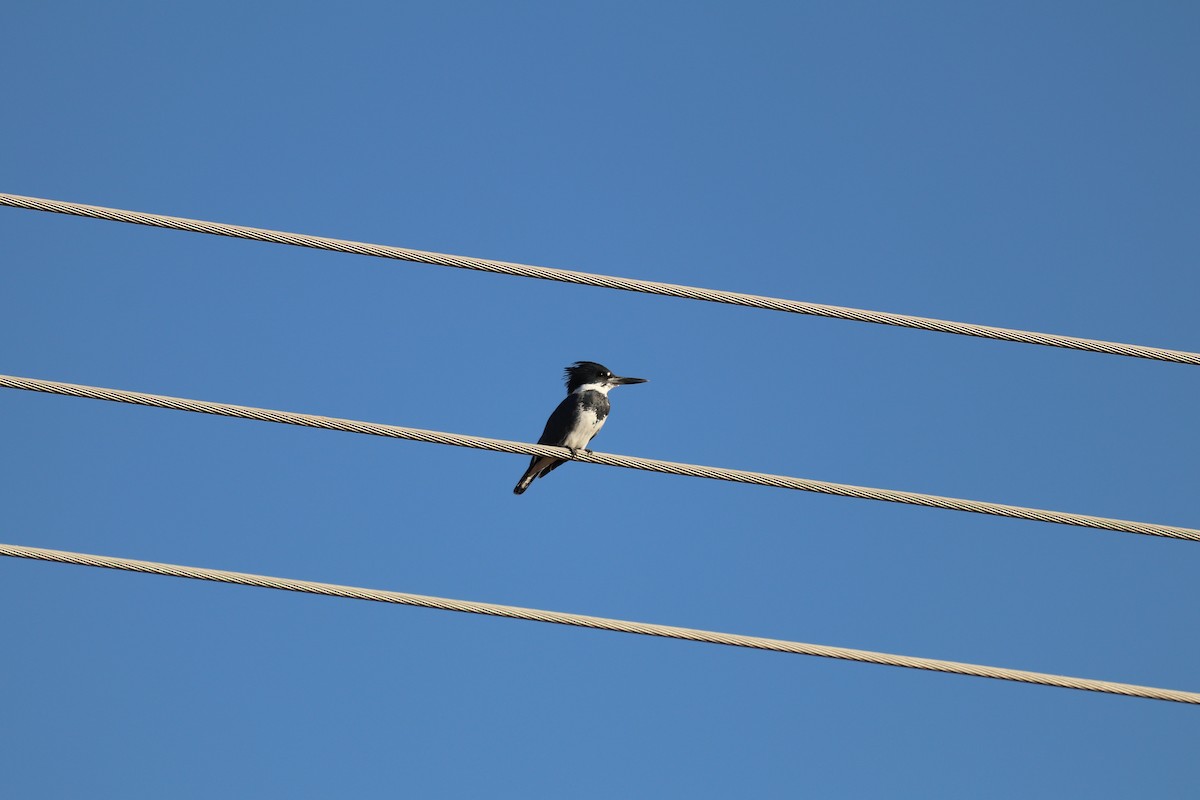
x=599 y=623
x=606 y=459
x=604 y=281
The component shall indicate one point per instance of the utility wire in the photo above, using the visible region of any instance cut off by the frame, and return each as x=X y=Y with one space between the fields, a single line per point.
x=605 y=281
x=600 y=623
x=607 y=459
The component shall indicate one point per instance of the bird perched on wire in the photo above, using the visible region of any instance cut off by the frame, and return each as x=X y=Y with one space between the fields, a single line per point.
x=578 y=418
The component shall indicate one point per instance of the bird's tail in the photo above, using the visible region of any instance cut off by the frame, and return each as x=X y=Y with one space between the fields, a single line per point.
x=538 y=467
x=534 y=469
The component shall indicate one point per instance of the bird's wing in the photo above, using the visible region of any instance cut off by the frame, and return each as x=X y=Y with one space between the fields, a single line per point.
x=557 y=429
x=559 y=424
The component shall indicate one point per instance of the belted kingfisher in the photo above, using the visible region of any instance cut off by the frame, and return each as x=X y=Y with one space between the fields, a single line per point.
x=578 y=418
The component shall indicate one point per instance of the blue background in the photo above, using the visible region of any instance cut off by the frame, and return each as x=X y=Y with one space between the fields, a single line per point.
x=1028 y=165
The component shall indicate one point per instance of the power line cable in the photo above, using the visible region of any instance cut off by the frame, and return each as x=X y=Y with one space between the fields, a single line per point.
x=606 y=459
x=604 y=281
x=599 y=623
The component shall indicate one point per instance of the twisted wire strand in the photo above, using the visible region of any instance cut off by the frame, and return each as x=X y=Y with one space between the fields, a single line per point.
x=606 y=459
x=599 y=623
x=604 y=281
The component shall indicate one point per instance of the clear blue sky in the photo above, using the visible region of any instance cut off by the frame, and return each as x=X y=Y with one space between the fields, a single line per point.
x=1029 y=165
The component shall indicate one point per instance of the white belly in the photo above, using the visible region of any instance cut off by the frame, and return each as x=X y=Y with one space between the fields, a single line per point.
x=586 y=427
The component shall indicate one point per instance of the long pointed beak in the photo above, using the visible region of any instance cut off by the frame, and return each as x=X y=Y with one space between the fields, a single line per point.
x=626 y=381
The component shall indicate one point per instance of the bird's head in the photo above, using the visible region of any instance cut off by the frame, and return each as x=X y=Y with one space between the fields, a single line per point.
x=598 y=376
